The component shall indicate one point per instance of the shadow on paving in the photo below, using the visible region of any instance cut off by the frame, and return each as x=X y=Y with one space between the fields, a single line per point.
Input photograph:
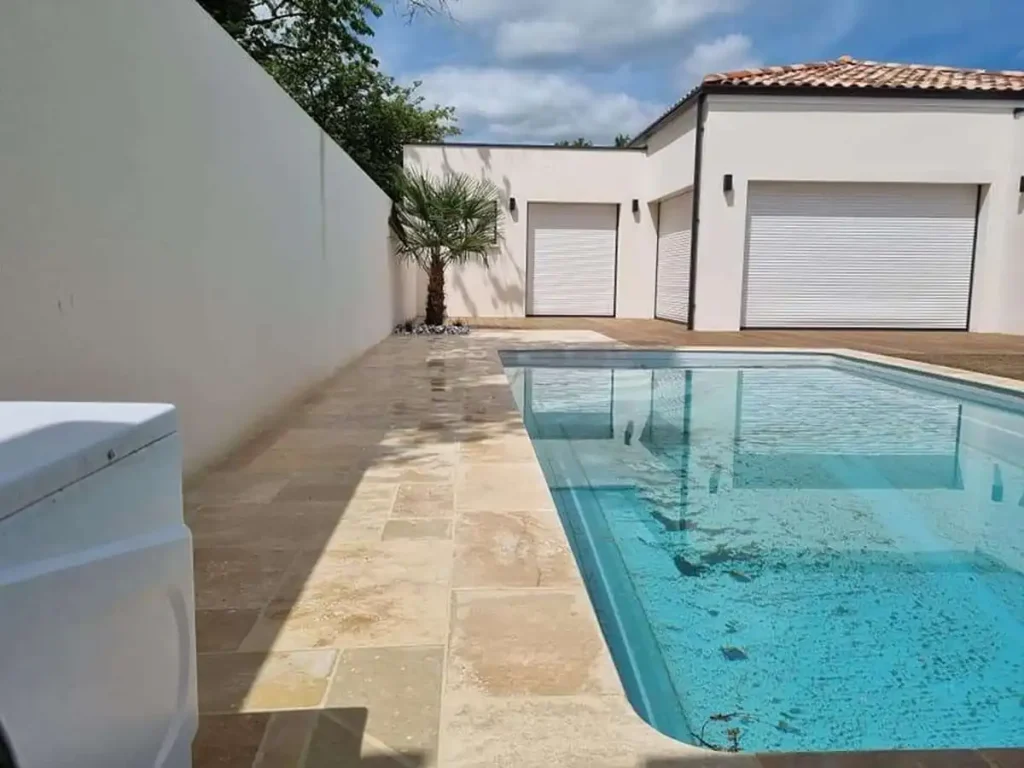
x=331 y=738
x=285 y=533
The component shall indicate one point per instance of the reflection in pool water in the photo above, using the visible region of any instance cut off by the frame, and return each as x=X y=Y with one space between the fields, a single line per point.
x=819 y=557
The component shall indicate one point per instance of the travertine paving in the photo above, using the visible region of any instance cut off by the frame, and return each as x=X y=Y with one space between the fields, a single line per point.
x=382 y=580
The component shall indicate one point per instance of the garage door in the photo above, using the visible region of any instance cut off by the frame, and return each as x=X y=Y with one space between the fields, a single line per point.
x=673 y=295
x=859 y=255
x=572 y=259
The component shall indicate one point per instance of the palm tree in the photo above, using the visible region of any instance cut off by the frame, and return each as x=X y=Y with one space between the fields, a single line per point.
x=454 y=219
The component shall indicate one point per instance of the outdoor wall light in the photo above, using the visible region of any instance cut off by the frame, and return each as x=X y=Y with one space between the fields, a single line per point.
x=727 y=183
x=636 y=205
x=1021 y=185
x=512 y=204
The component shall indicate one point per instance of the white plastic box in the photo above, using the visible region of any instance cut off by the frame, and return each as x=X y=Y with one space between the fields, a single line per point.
x=97 y=635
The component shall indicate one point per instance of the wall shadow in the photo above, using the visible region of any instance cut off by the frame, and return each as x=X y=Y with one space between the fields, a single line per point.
x=506 y=296
x=329 y=738
x=264 y=518
x=484 y=153
x=510 y=295
x=458 y=282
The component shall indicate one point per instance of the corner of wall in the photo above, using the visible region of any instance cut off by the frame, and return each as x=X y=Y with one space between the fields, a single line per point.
x=996 y=303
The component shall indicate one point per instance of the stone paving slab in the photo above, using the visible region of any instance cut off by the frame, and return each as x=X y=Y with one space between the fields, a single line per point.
x=382 y=580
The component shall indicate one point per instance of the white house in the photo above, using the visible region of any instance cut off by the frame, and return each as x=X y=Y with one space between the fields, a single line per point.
x=843 y=193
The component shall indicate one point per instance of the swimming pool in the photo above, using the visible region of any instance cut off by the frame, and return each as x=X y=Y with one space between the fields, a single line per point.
x=793 y=552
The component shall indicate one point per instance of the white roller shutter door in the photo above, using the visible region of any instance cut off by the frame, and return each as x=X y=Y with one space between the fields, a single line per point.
x=859 y=255
x=674 y=229
x=572 y=259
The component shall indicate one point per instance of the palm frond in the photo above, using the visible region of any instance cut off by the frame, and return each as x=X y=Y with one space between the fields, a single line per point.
x=455 y=218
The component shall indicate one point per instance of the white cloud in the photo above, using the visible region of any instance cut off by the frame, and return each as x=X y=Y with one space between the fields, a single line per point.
x=723 y=54
x=482 y=10
x=531 y=106
x=525 y=39
x=525 y=29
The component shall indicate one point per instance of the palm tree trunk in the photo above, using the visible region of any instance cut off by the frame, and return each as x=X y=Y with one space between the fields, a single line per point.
x=435 y=292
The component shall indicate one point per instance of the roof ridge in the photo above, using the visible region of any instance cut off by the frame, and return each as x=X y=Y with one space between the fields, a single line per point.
x=715 y=77
x=847 y=74
x=930 y=67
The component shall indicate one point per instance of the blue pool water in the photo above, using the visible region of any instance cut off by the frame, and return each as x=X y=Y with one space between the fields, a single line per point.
x=824 y=555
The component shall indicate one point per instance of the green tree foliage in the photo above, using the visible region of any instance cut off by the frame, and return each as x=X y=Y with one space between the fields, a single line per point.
x=454 y=219
x=233 y=15
x=318 y=51
x=623 y=139
x=580 y=142
x=269 y=29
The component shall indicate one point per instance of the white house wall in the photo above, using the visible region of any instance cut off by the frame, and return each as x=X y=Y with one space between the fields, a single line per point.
x=1011 y=281
x=755 y=138
x=670 y=154
x=535 y=175
x=774 y=138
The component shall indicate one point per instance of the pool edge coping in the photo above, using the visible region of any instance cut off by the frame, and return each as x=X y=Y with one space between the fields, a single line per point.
x=999 y=383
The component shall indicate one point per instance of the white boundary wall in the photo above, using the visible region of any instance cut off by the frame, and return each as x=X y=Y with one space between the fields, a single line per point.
x=172 y=226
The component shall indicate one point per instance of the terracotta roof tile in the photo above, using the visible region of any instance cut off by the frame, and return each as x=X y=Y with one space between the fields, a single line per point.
x=849 y=74
x=846 y=72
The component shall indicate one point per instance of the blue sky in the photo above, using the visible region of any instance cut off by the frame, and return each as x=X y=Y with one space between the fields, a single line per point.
x=540 y=70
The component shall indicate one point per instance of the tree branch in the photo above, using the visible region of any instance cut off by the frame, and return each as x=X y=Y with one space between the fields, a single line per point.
x=275 y=18
x=427 y=7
